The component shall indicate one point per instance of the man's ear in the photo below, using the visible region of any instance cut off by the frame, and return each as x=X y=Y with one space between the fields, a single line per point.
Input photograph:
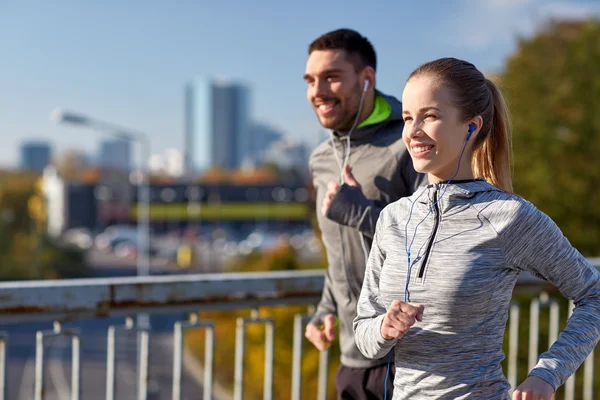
x=368 y=74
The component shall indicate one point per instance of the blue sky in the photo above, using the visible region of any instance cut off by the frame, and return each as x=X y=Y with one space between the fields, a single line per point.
x=126 y=61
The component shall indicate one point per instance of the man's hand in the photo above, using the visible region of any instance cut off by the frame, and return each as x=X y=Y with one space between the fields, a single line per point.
x=322 y=339
x=333 y=187
x=399 y=318
x=533 y=388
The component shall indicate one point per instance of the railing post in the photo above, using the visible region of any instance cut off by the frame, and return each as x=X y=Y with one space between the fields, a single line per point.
x=269 y=352
x=144 y=350
x=3 y=350
x=323 y=374
x=570 y=384
x=554 y=322
x=209 y=345
x=110 y=363
x=144 y=343
x=323 y=377
x=39 y=360
x=588 y=377
x=75 y=365
x=553 y=329
x=38 y=389
x=299 y=321
x=534 y=332
x=240 y=355
x=513 y=344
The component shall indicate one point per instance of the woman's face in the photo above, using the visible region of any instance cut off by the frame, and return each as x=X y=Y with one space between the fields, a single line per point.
x=434 y=131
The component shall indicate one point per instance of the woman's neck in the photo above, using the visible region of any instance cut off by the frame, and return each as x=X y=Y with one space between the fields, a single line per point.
x=464 y=173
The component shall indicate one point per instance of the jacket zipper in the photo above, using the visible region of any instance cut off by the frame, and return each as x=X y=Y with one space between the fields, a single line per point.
x=354 y=289
x=436 y=211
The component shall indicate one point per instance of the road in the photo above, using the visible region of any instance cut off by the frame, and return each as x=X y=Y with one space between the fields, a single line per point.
x=57 y=354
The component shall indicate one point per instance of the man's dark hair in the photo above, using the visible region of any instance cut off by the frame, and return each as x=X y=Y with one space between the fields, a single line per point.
x=360 y=51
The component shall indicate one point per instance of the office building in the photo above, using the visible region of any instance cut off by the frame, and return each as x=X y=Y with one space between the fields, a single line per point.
x=35 y=156
x=115 y=153
x=288 y=154
x=262 y=136
x=216 y=125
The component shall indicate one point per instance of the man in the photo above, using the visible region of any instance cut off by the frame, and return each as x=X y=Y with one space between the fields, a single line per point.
x=361 y=168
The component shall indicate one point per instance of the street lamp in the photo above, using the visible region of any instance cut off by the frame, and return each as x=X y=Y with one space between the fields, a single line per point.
x=62 y=116
x=143 y=257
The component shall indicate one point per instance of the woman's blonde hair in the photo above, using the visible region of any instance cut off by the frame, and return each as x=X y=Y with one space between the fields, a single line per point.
x=475 y=95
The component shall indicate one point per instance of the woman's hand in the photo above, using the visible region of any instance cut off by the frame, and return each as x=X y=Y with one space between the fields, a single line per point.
x=533 y=388
x=399 y=318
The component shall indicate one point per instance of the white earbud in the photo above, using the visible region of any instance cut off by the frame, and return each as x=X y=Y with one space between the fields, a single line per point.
x=366 y=86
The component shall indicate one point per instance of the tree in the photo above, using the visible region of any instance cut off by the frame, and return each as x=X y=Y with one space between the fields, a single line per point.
x=215 y=175
x=71 y=164
x=552 y=84
x=253 y=177
x=25 y=251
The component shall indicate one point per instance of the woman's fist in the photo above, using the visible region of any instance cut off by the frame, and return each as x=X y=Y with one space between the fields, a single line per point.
x=399 y=318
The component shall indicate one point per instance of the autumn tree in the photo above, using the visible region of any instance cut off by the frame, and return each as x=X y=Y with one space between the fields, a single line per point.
x=25 y=250
x=71 y=164
x=552 y=84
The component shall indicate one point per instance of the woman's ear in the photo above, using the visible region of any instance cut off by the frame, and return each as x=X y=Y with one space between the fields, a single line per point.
x=474 y=127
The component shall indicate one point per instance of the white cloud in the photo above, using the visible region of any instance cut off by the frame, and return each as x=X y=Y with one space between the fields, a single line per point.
x=493 y=22
x=504 y=4
x=571 y=10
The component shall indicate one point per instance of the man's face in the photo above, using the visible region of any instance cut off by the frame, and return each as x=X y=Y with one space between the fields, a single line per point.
x=334 y=88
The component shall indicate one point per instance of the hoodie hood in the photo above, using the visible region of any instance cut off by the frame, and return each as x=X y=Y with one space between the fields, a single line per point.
x=452 y=194
x=465 y=188
x=386 y=109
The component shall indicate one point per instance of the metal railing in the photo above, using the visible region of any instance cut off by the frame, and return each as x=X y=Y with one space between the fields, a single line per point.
x=69 y=300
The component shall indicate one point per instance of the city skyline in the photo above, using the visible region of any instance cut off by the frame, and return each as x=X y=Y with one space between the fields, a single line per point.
x=218 y=133
x=132 y=74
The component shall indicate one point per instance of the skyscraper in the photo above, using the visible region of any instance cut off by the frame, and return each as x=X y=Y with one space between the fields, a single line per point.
x=35 y=155
x=198 y=125
x=216 y=125
x=115 y=153
x=262 y=137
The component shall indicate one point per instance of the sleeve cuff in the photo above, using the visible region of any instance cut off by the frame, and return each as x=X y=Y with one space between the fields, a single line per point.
x=317 y=318
x=348 y=206
x=545 y=375
x=376 y=333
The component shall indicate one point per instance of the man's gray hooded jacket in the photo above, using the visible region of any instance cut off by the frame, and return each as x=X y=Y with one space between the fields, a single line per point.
x=382 y=166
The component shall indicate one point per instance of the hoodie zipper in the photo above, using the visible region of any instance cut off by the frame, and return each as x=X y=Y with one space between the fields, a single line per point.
x=436 y=211
x=354 y=289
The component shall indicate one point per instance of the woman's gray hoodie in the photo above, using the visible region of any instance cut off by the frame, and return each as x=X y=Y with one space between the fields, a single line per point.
x=465 y=259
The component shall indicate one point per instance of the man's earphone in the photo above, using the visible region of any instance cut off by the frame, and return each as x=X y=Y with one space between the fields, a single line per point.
x=366 y=85
x=471 y=130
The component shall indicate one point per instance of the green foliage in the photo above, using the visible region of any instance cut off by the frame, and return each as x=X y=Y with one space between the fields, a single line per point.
x=25 y=251
x=552 y=84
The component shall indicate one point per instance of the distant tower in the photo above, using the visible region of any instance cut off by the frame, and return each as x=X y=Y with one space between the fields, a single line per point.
x=116 y=153
x=35 y=155
x=216 y=125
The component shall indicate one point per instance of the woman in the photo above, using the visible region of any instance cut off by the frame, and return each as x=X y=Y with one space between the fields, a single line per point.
x=444 y=261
